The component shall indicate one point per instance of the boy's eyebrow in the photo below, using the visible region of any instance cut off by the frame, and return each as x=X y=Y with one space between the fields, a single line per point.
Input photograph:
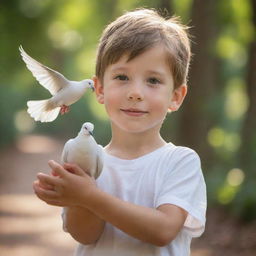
x=151 y=72
x=118 y=69
x=156 y=72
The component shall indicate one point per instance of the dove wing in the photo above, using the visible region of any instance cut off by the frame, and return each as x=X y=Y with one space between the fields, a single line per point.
x=50 y=79
x=99 y=161
x=64 y=156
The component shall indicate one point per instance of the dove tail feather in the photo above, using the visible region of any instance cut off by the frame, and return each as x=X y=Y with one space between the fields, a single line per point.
x=41 y=111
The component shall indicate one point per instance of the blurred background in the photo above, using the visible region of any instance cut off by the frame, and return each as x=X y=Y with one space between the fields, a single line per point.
x=217 y=119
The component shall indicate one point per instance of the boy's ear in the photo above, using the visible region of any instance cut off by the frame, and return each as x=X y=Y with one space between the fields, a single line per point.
x=178 y=96
x=99 y=89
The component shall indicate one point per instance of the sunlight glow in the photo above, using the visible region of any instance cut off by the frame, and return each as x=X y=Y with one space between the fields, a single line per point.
x=85 y=62
x=236 y=103
x=230 y=49
x=235 y=177
x=216 y=137
x=228 y=191
x=32 y=8
x=226 y=194
x=243 y=12
x=23 y=122
x=56 y=31
x=75 y=13
x=36 y=144
x=227 y=47
x=72 y=40
x=64 y=37
x=28 y=223
x=232 y=141
x=182 y=8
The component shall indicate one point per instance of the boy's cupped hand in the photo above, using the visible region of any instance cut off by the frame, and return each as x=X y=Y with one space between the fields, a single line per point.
x=68 y=185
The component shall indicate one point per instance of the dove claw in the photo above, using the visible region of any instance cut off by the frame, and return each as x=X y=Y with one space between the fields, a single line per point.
x=64 y=109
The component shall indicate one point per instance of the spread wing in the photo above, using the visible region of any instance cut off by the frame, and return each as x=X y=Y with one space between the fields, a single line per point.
x=50 y=79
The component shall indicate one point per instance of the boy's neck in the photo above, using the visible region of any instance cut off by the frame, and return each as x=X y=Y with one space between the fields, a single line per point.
x=133 y=145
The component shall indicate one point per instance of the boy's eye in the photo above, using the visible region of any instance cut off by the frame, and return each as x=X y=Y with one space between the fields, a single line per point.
x=153 y=80
x=122 y=77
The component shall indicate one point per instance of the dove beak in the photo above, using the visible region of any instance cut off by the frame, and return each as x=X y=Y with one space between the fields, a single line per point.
x=91 y=133
x=92 y=87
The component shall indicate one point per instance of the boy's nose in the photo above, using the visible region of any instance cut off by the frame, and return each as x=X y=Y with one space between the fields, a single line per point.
x=134 y=97
x=135 y=94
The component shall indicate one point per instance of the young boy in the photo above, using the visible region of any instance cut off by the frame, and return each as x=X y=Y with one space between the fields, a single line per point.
x=150 y=198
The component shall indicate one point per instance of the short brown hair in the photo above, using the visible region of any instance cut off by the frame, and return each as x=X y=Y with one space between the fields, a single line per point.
x=135 y=32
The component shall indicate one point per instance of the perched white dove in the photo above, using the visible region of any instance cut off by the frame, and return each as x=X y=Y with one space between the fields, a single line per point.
x=64 y=92
x=84 y=151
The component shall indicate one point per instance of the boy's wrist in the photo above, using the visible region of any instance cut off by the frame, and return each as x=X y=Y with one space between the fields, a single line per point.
x=89 y=197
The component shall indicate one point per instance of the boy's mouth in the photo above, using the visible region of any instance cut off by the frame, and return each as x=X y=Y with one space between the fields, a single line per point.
x=134 y=112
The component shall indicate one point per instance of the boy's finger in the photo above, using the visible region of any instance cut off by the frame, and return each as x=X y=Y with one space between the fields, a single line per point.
x=44 y=194
x=43 y=184
x=74 y=168
x=55 y=203
x=47 y=179
x=57 y=169
x=54 y=173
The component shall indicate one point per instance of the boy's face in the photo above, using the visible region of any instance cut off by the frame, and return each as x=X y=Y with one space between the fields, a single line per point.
x=138 y=94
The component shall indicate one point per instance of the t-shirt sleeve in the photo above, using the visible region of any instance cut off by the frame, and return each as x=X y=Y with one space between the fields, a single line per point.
x=183 y=185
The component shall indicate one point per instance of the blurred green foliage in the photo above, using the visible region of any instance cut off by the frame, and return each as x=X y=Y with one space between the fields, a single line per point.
x=63 y=35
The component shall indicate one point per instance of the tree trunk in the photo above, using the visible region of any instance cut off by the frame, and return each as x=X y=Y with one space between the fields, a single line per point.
x=248 y=134
x=195 y=120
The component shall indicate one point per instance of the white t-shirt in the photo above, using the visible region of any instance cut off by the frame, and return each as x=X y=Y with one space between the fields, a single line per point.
x=168 y=175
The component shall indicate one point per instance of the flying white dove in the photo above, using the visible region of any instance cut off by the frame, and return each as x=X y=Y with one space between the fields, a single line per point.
x=64 y=92
x=84 y=151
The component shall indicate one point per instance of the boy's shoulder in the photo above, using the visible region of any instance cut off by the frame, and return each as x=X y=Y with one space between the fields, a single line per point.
x=179 y=154
x=181 y=150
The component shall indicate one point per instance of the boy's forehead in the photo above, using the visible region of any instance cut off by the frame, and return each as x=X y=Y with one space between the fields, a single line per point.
x=121 y=62
x=150 y=57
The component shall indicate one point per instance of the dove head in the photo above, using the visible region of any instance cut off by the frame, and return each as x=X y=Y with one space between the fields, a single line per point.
x=87 y=129
x=89 y=84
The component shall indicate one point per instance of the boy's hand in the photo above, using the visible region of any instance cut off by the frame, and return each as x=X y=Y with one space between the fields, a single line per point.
x=68 y=185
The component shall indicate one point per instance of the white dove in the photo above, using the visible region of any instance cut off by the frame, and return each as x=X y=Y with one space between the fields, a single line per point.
x=84 y=151
x=64 y=92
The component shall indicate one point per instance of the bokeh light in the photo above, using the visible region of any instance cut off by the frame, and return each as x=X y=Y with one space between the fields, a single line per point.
x=23 y=122
x=236 y=103
x=235 y=177
x=231 y=186
x=219 y=138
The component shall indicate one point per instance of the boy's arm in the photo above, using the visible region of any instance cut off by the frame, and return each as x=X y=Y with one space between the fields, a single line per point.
x=84 y=226
x=156 y=226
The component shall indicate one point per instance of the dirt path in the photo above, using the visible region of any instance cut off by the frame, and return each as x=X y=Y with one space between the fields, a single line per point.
x=29 y=227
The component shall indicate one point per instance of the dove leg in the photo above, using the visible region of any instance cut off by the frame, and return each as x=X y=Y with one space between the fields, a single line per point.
x=64 y=109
